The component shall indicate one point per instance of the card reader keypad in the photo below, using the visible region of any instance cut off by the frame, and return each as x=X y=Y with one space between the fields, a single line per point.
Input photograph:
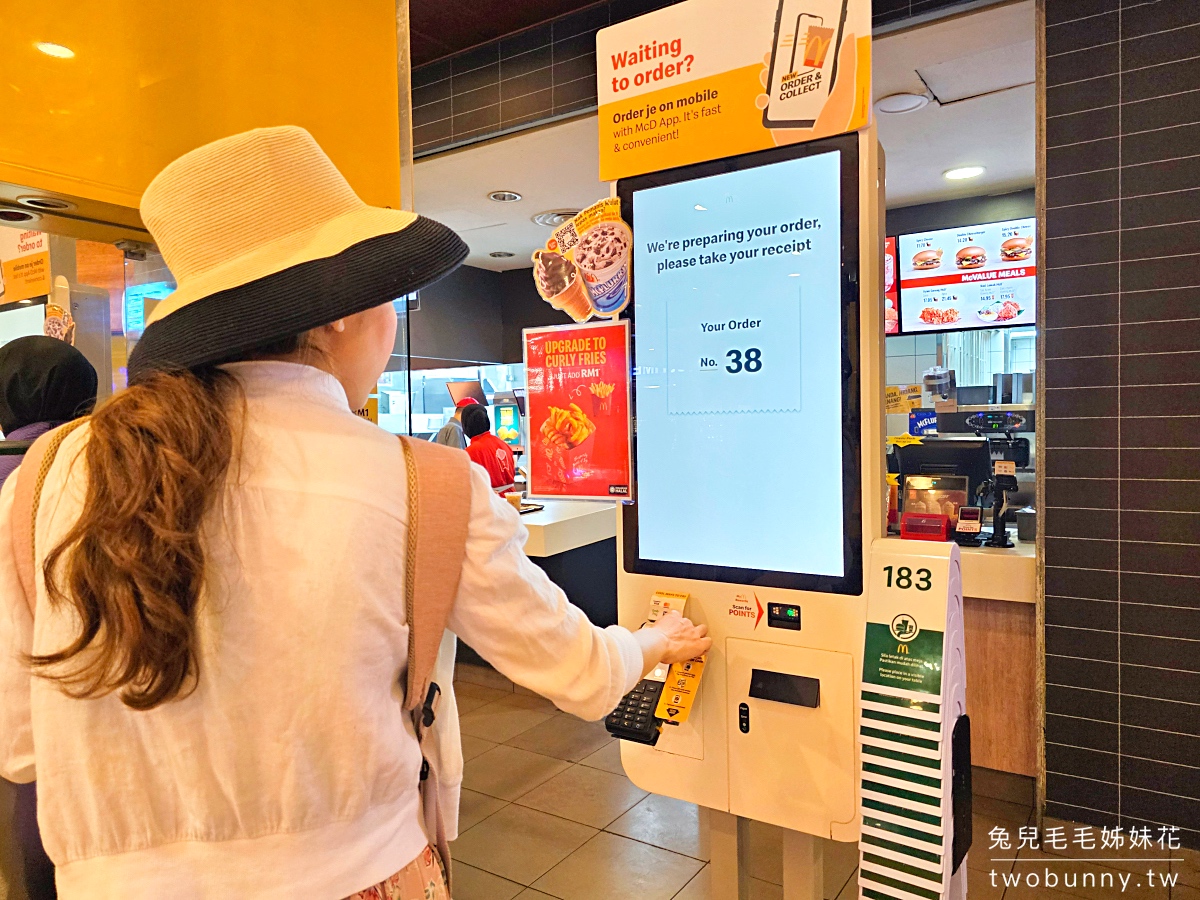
x=633 y=719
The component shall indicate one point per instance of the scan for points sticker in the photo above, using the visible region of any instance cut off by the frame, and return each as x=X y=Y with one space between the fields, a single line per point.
x=707 y=79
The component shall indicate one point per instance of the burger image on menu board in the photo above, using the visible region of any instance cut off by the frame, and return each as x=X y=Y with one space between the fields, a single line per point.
x=970 y=257
x=1016 y=248
x=927 y=259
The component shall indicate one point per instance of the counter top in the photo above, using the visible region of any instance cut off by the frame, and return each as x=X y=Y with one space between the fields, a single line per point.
x=567 y=524
x=990 y=573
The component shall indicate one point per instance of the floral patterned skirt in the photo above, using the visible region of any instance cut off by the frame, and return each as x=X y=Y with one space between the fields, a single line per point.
x=422 y=879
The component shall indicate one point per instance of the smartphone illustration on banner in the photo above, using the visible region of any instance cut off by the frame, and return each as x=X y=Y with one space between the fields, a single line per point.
x=804 y=59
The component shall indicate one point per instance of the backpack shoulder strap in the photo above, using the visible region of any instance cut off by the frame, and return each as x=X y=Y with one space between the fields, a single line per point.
x=439 y=507
x=31 y=478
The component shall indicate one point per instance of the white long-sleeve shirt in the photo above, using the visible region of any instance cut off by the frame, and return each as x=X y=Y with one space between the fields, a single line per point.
x=291 y=770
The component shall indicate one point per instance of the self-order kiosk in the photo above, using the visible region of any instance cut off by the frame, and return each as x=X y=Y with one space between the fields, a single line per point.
x=830 y=702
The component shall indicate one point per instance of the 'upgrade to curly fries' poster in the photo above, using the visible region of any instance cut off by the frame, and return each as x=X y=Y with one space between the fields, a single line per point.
x=577 y=377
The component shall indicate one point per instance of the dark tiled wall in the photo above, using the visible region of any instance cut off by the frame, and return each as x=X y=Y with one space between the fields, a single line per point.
x=543 y=73
x=889 y=12
x=538 y=74
x=1122 y=418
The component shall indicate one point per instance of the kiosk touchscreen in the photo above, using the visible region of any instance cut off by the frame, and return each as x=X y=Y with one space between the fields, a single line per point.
x=749 y=463
x=745 y=355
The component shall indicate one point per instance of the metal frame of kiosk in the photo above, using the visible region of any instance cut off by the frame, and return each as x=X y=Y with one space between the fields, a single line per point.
x=799 y=766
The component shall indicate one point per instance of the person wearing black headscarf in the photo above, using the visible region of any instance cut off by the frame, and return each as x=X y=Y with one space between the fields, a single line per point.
x=44 y=382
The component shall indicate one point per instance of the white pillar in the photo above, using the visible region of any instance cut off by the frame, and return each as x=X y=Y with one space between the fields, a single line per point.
x=803 y=866
x=729 y=845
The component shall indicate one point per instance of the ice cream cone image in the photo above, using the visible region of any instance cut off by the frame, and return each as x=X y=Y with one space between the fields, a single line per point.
x=560 y=284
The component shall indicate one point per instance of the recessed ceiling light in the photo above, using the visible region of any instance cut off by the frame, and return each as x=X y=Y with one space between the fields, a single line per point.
x=552 y=218
x=17 y=215
x=701 y=208
x=964 y=172
x=58 y=51
x=896 y=104
x=504 y=196
x=501 y=254
x=34 y=201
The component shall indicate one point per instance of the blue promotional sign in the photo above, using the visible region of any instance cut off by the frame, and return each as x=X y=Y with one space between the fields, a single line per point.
x=922 y=422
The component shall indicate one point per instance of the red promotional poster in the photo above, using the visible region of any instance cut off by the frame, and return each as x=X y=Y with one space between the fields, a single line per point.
x=577 y=378
x=891 y=290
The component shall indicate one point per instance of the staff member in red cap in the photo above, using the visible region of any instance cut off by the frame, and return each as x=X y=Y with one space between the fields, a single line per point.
x=488 y=450
x=452 y=432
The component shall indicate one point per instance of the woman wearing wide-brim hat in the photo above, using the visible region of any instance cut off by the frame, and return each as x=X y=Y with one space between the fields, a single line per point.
x=210 y=686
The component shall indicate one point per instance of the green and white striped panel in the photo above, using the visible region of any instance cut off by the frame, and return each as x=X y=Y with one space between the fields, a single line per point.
x=905 y=833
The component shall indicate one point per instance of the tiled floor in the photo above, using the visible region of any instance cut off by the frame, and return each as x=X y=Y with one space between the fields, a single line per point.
x=548 y=814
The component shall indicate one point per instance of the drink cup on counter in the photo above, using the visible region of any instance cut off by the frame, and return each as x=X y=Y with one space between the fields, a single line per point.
x=514 y=499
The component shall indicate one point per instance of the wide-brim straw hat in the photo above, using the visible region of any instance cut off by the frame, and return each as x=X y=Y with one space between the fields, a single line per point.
x=267 y=240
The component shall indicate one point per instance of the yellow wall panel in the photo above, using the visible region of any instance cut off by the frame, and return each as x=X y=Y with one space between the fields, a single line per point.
x=149 y=82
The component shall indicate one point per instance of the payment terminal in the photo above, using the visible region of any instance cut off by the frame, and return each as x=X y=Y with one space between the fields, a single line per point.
x=665 y=696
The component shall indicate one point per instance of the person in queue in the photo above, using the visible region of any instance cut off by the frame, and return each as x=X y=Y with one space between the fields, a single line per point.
x=212 y=697
x=451 y=434
x=44 y=382
x=487 y=450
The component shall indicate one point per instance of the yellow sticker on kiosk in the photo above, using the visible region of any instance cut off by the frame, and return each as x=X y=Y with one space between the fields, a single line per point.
x=679 y=693
x=663 y=601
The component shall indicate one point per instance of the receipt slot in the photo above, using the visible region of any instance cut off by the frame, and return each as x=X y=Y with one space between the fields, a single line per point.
x=758 y=455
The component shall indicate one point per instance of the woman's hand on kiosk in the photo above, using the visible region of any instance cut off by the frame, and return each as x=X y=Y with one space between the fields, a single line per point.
x=684 y=639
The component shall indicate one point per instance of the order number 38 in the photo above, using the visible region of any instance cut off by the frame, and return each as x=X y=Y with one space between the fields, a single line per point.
x=751 y=363
x=904 y=578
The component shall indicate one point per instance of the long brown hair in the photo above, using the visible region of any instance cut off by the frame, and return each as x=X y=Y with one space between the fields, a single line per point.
x=132 y=568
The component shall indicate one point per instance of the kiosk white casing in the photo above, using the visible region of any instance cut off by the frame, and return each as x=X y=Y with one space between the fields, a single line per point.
x=796 y=767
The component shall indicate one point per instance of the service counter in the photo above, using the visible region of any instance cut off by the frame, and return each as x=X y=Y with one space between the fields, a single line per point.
x=566 y=525
x=575 y=542
x=1000 y=620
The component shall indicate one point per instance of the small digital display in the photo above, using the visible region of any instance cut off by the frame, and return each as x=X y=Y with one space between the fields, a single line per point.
x=21 y=319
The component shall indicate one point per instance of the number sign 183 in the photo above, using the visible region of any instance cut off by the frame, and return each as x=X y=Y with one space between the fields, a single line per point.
x=903 y=578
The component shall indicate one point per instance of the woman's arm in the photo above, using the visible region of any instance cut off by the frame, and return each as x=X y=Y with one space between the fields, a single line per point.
x=16 y=643
x=516 y=618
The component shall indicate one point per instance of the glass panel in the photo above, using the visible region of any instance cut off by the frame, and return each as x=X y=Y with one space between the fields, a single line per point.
x=432 y=405
x=147 y=281
x=393 y=390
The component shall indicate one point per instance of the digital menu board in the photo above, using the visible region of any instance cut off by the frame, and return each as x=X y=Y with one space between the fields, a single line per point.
x=744 y=374
x=977 y=276
x=891 y=290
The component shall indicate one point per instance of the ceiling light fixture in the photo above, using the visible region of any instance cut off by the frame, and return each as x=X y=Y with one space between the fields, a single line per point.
x=17 y=215
x=504 y=196
x=58 y=51
x=963 y=173
x=34 y=201
x=904 y=102
x=501 y=254
x=552 y=218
